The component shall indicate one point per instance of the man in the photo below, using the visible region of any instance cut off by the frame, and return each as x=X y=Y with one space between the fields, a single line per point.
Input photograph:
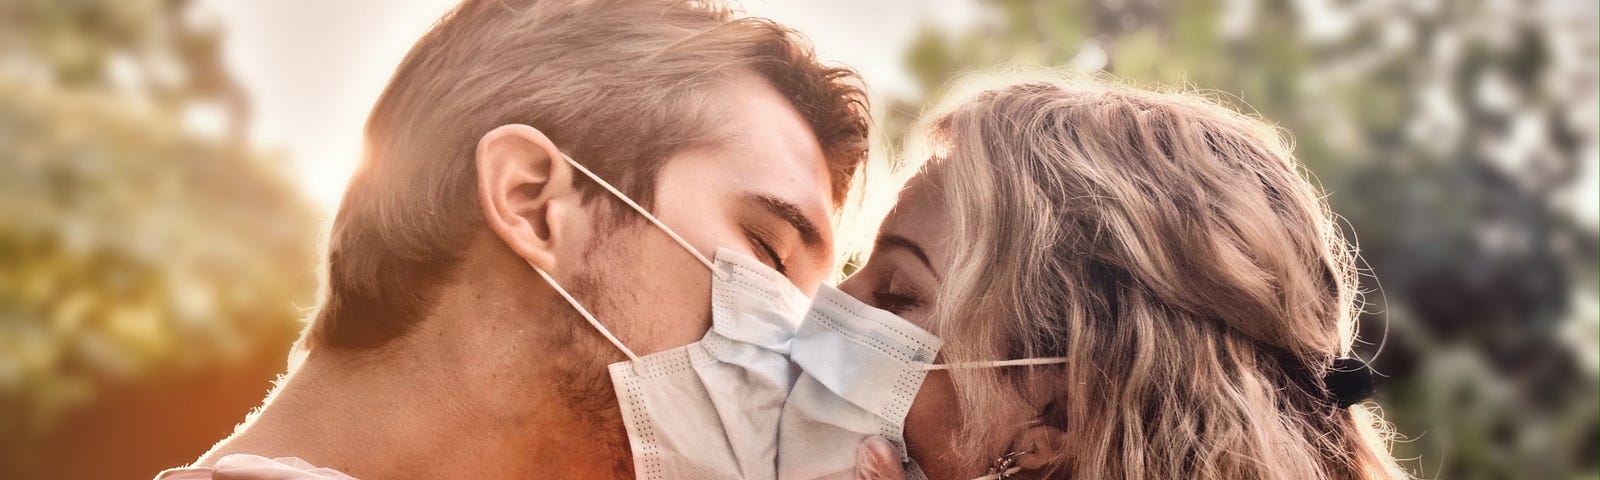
x=437 y=352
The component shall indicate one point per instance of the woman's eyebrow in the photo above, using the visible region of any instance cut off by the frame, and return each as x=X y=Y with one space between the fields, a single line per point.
x=891 y=240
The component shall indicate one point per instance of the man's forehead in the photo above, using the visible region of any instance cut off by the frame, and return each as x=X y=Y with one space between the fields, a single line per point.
x=771 y=147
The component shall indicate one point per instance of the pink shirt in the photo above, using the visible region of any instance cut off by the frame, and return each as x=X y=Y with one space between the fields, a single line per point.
x=241 y=466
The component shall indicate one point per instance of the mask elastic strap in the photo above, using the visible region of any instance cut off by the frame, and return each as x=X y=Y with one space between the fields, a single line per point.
x=589 y=317
x=586 y=315
x=652 y=218
x=1021 y=362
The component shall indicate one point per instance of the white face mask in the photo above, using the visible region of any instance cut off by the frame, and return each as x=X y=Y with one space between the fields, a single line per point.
x=710 y=409
x=861 y=368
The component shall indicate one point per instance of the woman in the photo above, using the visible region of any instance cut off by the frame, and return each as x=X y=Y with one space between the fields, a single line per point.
x=1168 y=249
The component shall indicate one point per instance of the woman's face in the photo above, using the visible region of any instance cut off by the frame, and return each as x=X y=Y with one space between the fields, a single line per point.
x=903 y=278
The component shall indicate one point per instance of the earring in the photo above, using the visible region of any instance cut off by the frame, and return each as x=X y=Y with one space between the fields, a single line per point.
x=1036 y=437
x=1003 y=467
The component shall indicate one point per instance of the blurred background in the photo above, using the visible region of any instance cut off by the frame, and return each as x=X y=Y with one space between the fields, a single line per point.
x=167 y=168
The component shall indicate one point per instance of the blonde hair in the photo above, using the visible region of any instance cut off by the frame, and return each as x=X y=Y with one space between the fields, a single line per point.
x=619 y=84
x=1170 y=248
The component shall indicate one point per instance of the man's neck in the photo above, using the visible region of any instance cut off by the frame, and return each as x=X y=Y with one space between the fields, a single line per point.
x=442 y=413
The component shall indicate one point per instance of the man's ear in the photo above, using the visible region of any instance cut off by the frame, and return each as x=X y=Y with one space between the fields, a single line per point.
x=525 y=191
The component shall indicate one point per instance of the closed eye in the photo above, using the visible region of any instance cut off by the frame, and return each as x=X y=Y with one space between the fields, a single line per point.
x=765 y=249
x=897 y=302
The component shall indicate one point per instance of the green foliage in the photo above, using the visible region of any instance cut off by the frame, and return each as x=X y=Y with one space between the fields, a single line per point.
x=1445 y=133
x=134 y=247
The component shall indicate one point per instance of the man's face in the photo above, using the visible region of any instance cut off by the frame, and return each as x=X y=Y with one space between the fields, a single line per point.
x=762 y=189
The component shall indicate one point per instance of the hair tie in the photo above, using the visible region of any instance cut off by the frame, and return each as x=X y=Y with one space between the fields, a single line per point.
x=1349 y=382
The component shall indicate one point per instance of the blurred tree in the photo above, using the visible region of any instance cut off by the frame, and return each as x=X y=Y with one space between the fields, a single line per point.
x=150 y=262
x=1450 y=136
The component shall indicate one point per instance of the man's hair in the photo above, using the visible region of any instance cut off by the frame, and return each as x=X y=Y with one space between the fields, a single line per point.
x=619 y=84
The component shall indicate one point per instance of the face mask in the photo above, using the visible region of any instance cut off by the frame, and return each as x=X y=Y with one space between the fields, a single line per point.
x=709 y=409
x=860 y=369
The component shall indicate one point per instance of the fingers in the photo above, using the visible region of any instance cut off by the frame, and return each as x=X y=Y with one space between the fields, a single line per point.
x=877 y=459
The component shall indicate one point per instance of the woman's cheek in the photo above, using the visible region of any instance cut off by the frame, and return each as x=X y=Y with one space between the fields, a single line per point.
x=931 y=428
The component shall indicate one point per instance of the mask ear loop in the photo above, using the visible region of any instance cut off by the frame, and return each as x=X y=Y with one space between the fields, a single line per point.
x=647 y=216
x=1021 y=362
x=586 y=315
x=589 y=317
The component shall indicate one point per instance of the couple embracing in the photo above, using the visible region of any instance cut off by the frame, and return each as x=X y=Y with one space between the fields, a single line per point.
x=592 y=239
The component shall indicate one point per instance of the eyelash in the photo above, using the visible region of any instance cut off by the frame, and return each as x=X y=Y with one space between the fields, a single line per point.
x=766 y=248
x=898 y=302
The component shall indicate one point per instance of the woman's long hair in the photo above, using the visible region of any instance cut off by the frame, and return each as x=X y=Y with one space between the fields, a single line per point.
x=1172 y=249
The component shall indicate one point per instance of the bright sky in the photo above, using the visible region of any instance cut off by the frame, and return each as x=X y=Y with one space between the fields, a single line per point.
x=313 y=67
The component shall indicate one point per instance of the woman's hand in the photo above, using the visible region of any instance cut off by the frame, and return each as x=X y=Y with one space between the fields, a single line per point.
x=876 y=459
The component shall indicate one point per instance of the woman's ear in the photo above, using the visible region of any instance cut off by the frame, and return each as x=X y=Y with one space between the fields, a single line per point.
x=1045 y=447
x=525 y=189
x=1044 y=438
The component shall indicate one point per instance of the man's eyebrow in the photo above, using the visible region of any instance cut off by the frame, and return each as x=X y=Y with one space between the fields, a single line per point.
x=892 y=240
x=789 y=212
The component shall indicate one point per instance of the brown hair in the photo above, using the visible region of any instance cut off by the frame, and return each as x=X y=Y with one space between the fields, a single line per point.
x=1170 y=248
x=618 y=84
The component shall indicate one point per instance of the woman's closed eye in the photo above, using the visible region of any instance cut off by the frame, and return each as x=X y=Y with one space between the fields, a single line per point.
x=897 y=301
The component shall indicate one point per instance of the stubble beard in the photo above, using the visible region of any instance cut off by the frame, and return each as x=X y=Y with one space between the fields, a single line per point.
x=584 y=383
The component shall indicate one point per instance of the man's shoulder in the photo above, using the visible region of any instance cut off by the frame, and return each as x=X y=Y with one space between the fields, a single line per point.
x=243 y=466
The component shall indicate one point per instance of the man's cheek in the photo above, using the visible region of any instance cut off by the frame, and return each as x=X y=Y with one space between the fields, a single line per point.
x=662 y=293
